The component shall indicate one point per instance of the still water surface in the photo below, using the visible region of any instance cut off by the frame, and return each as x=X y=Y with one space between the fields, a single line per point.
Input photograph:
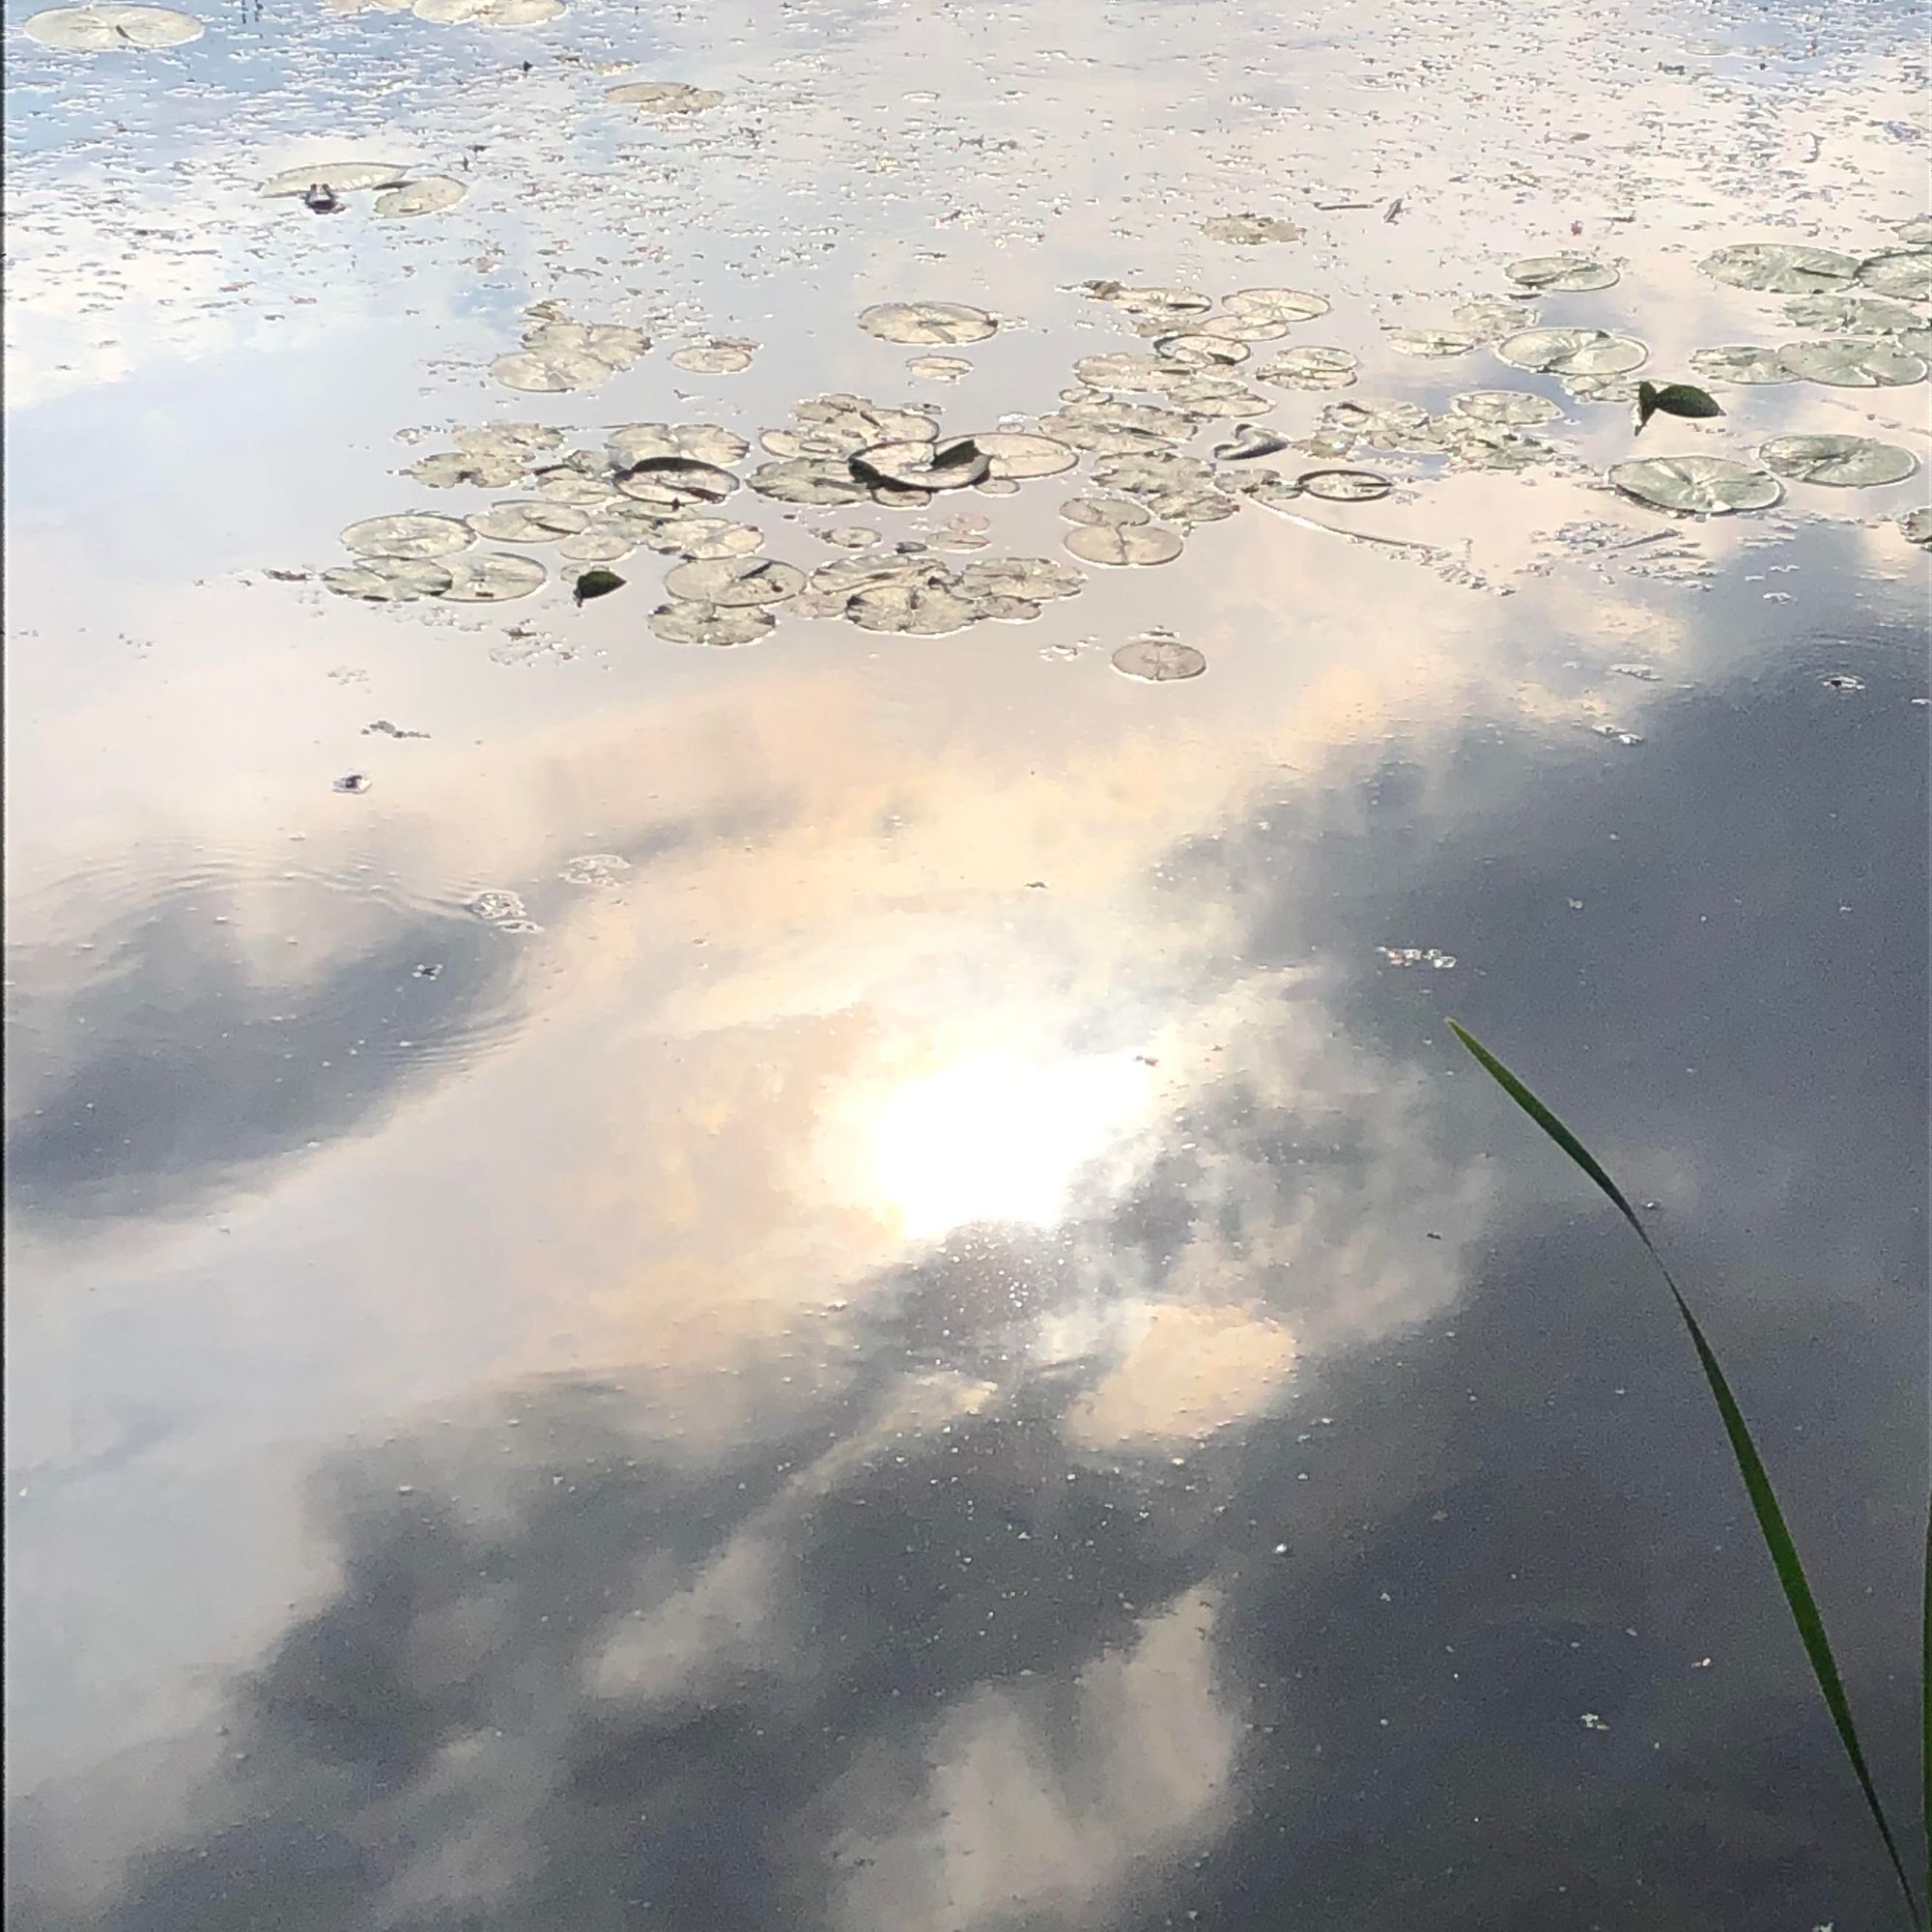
x=852 y=1282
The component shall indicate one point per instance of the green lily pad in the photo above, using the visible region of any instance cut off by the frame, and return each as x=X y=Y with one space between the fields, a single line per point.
x=1780 y=268
x=1158 y=661
x=1570 y=274
x=1707 y=486
x=1572 y=351
x=1838 y=462
x=413 y=535
x=388 y=580
x=928 y=322
x=1745 y=362
x=112 y=29
x=1854 y=362
x=1310 y=367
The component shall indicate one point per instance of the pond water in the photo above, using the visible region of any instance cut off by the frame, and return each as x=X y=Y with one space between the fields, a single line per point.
x=806 y=1247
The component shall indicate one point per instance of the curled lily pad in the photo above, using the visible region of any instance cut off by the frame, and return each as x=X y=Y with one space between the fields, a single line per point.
x=1565 y=273
x=1854 y=362
x=426 y=194
x=529 y=521
x=1572 y=351
x=345 y=177
x=488 y=13
x=1905 y=272
x=1277 y=304
x=1036 y=579
x=712 y=624
x=1707 y=486
x=109 y=28
x=926 y=321
x=721 y=355
x=729 y=582
x=1433 y=342
x=803 y=480
x=1249 y=231
x=702 y=443
x=1196 y=350
x=1744 y=362
x=938 y=368
x=663 y=96
x=1158 y=660
x=1780 y=268
x=1310 y=367
x=953 y=463
x=1852 y=315
x=1839 y=461
x=1249 y=443
x=388 y=580
x=928 y=609
x=1345 y=486
x=1123 y=544
x=495 y=577
x=1016 y=454
x=1514 y=407
x=413 y=535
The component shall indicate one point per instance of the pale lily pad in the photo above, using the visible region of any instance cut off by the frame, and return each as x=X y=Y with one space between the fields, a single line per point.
x=529 y=521
x=426 y=194
x=1905 y=272
x=448 y=468
x=927 y=322
x=1211 y=397
x=1146 y=470
x=840 y=425
x=564 y=356
x=600 y=542
x=1706 y=486
x=729 y=582
x=1124 y=545
x=663 y=96
x=1514 y=407
x=1249 y=231
x=721 y=355
x=1195 y=351
x=711 y=624
x=1382 y=425
x=113 y=29
x=1158 y=302
x=1267 y=487
x=1600 y=389
x=488 y=13
x=1015 y=454
x=1310 y=367
x=1838 y=462
x=1570 y=274
x=1745 y=362
x=848 y=536
x=1481 y=446
x=1345 y=486
x=495 y=577
x=345 y=177
x=705 y=538
x=388 y=580
x=1572 y=351
x=1917 y=232
x=1158 y=661
x=1780 y=268
x=931 y=609
x=1854 y=362
x=702 y=443
x=1918 y=527
x=803 y=481
x=1490 y=316
x=1242 y=328
x=412 y=534
x=676 y=482
x=1191 y=504
x=1036 y=579
x=1105 y=512
x=952 y=463
x=1852 y=315
x=1433 y=342
x=522 y=439
x=1120 y=369
x=938 y=368
x=1277 y=304
x=1113 y=427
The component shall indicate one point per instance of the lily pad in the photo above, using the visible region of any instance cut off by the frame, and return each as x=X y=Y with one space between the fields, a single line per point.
x=1038 y=580
x=1119 y=369
x=1745 y=362
x=345 y=177
x=1513 y=406
x=1381 y=425
x=566 y=483
x=388 y=580
x=1123 y=544
x=954 y=463
x=729 y=581
x=926 y=321
x=1106 y=428
x=1196 y=352
x=706 y=537
x=1158 y=661
x=721 y=355
x=702 y=443
x=1780 y=268
x=931 y=609
x=565 y=355
x=495 y=577
x=663 y=96
x=1015 y=454
x=1569 y=274
x=488 y=13
x=1905 y=272
x=711 y=624
x=1345 y=486
x=1852 y=315
x=676 y=482
x=412 y=534
x=599 y=542
x=1706 y=486
x=1490 y=316
x=1433 y=342
x=113 y=29
x=1839 y=461
x=1143 y=471
x=448 y=468
x=1105 y=512
x=1853 y=362
x=426 y=194
x=529 y=521
x=1572 y=351
x=1481 y=445
x=1249 y=231
x=848 y=536
x=1212 y=397
x=938 y=368
x=1277 y=304
x=840 y=425
x=1310 y=367
x=1242 y=328
x=819 y=483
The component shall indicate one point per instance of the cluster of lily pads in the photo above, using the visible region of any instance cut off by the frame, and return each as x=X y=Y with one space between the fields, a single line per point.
x=399 y=193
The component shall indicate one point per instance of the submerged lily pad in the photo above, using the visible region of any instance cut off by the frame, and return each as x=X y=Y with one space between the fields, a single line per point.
x=729 y=582
x=109 y=28
x=1905 y=272
x=426 y=194
x=1433 y=342
x=1744 y=362
x=1310 y=367
x=721 y=355
x=1565 y=273
x=1839 y=461
x=345 y=177
x=1249 y=231
x=1853 y=362
x=712 y=624
x=663 y=96
x=388 y=580
x=1123 y=544
x=1708 y=486
x=1516 y=407
x=926 y=321
x=1572 y=351
x=1780 y=268
x=1852 y=315
x=1158 y=660
x=702 y=443
x=495 y=577
x=1276 y=305
x=411 y=534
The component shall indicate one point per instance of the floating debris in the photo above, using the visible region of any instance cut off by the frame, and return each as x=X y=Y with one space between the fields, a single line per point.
x=1562 y=273
x=1842 y=680
x=597 y=871
x=1916 y=526
x=488 y=13
x=498 y=907
x=1572 y=351
x=1249 y=231
x=352 y=781
x=1838 y=462
x=927 y=322
x=1158 y=661
x=1708 y=486
x=1780 y=268
x=112 y=29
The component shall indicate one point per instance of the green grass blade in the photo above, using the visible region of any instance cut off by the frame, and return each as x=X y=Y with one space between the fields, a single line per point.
x=1771 y=1526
